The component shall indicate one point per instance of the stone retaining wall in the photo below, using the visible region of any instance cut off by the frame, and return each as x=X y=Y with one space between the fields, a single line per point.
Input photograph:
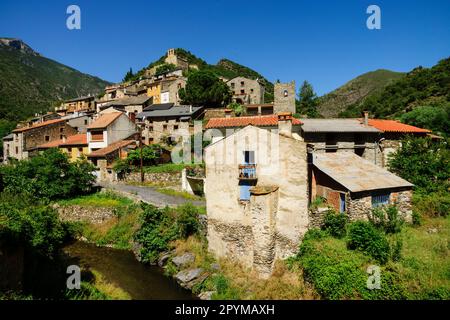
x=163 y=178
x=93 y=215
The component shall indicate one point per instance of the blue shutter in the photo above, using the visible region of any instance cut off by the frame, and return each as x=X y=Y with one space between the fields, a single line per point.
x=380 y=199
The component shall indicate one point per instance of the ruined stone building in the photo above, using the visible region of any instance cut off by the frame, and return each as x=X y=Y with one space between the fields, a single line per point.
x=246 y=91
x=256 y=195
x=167 y=121
x=24 y=141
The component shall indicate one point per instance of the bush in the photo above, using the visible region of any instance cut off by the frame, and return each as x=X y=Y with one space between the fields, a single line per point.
x=432 y=205
x=161 y=226
x=365 y=237
x=335 y=223
x=387 y=219
x=48 y=176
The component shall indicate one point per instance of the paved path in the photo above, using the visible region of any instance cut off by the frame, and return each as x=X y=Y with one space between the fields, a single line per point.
x=150 y=195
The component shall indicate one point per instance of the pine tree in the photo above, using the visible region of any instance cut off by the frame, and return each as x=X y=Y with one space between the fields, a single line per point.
x=307 y=101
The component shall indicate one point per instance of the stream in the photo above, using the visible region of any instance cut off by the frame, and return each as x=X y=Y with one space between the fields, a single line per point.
x=120 y=267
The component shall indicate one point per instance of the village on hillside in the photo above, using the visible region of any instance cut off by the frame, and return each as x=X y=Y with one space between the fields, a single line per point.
x=257 y=206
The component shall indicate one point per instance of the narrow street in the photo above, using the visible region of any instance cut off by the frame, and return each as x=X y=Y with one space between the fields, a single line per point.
x=150 y=195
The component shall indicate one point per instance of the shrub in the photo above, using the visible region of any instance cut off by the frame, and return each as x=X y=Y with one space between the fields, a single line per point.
x=187 y=220
x=432 y=205
x=387 y=219
x=397 y=250
x=365 y=237
x=335 y=223
x=161 y=226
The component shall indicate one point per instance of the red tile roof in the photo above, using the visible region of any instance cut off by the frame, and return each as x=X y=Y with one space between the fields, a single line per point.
x=111 y=148
x=395 y=126
x=38 y=125
x=258 y=121
x=77 y=139
x=105 y=120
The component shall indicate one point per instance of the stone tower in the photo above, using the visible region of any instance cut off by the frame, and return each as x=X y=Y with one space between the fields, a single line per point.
x=284 y=94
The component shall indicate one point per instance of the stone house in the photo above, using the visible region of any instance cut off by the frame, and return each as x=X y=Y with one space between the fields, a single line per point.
x=259 y=109
x=256 y=190
x=128 y=104
x=108 y=129
x=354 y=185
x=343 y=135
x=79 y=121
x=160 y=121
x=246 y=91
x=26 y=139
x=217 y=128
x=165 y=90
x=7 y=146
x=86 y=103
x=74 y=146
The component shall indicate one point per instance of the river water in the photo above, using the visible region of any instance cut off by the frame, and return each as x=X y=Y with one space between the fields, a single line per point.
x=120 y=267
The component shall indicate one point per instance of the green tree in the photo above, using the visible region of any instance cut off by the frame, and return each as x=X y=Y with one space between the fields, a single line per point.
x=424 y=163
x=204 y=88
x=307 y=101
x=435 y=118
x=150 y=155
x=128 y=76
x=49 y=175
x=237 y=108
x=166 y=67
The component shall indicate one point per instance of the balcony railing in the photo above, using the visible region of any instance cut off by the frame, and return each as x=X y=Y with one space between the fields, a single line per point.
x=247 y=172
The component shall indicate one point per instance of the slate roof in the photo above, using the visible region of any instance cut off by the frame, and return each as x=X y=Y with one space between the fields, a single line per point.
x=355 y=173
x=335 y=125
x=127 y=101
x=258 y=121
x=105 y=120
x=8 y=137
x=174 y=111
x=395 y=126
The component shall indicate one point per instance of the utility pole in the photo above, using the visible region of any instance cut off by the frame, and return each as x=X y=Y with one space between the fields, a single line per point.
x=142 y=161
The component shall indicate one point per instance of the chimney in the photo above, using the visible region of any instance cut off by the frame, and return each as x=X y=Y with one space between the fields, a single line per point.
x=285 y=123
x=366 y=118
x=228 y=113
x=190 y=108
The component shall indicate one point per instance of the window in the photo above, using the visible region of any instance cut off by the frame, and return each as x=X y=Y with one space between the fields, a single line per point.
x=175 y=127
x=69 y=149
x=151 y=140
x=80 y=150
x=61 y=137
x=165 y=127
x=285 y=93
x=97 y=135
x=61 y=129
x=242 y=91
x=17 y=150
x=232 y=85
x=251 y=90
x=380 y=199
x=85 y=122
x=242 y=83
x=47 y=138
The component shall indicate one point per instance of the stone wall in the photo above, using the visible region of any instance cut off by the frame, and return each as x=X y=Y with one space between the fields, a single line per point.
x=162 y=178
x=284 y=97
x=90 y=214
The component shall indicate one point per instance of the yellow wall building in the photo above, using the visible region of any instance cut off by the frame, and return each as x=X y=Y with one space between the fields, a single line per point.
x=154 y=91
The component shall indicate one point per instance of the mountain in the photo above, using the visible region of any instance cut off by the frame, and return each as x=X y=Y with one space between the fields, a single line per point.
x=224 y=68
x=421 y=98
x=31 y=83
x=355 y=91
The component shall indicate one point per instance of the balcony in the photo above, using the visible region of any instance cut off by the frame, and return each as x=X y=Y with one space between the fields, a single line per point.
x=247 y=172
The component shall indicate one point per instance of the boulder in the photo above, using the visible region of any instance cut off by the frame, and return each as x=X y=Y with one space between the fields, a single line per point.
x=188 y=278
x=206 y=295
x=183 y=260
x=163 y=259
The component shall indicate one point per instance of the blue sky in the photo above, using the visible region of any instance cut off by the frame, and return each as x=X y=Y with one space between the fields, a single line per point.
x=324 y=42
